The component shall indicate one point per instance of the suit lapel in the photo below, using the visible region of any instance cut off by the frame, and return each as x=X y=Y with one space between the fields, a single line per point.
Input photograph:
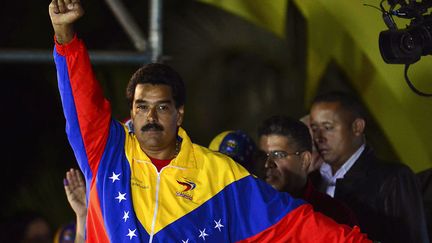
x=357 y=174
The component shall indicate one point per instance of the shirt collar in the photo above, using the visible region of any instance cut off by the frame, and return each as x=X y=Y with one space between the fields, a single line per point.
x=326 y=171
x=186 y=157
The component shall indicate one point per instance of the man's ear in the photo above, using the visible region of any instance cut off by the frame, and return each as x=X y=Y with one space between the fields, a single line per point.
x=180 y=115
x=306 y=158
x=358 y=126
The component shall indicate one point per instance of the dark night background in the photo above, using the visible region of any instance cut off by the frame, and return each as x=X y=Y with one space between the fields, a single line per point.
x=237 y=74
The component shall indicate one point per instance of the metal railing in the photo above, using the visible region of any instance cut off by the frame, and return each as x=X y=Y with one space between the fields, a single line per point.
x=147 y=51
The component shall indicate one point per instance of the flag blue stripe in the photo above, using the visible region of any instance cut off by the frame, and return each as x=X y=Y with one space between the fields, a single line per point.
x=246 y=207
x=114 y=160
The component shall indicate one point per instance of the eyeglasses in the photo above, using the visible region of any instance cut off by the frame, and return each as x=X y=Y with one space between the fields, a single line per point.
x=279 y=154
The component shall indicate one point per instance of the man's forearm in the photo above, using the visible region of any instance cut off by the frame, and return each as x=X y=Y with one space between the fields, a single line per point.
x=64 y=33
x=80 y=229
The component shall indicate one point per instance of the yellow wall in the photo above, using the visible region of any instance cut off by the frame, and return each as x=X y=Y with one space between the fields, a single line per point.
x=347 y=32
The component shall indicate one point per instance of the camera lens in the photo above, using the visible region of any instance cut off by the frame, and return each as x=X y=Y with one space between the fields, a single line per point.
x=407 y=43
x=399 y=47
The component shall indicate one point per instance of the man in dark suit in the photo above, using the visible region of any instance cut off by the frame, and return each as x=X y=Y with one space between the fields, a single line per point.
x=384 y=196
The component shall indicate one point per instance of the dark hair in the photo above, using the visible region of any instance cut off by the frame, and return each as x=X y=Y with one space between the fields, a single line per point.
x=291 y=128
x=158 y=74
x=348 y=103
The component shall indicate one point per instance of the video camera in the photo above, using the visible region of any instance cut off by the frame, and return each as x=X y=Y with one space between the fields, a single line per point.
x=406 y=46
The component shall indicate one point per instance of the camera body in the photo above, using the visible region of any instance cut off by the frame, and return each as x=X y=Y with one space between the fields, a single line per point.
x=406 y=46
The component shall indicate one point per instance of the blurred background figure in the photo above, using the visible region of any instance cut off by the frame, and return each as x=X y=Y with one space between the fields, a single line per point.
x=288 y=147
x=26 y=227
x=316 y=158
x=66 y=234
x=239 y=146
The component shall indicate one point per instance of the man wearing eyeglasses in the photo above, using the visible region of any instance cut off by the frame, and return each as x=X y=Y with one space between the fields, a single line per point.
x=384 y=196
x=288 y=146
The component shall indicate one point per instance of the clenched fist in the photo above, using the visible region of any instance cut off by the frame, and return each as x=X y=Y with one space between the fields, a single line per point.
x=63 y=14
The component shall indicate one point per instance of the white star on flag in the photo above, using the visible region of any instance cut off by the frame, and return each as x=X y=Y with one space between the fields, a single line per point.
x=131 y=234
x=187 y=241
x=121 y=197
x=114 y=177
x=126 y=215
x=202 y=234
x=218 y=225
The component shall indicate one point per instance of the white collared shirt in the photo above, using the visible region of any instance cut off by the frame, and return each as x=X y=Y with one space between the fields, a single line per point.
x=330 y=179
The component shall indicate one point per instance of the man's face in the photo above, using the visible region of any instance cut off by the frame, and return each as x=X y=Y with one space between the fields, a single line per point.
x=333 y=133
x=155 y=117
x=283 y=173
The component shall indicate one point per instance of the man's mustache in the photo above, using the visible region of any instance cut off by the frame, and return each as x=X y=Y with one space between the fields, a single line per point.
x=152 y=127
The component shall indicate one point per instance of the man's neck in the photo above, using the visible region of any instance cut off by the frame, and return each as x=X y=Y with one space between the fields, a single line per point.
x=162 y=153
x=336 y=167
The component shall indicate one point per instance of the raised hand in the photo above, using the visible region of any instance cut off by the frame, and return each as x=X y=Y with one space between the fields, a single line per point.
x=75 y=191
x=65 y=11
x=63 y=14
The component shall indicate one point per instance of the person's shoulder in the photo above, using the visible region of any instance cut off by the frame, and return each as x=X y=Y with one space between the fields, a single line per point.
x=394 y=174
x=217 y=166
x=212 y=158
x=210 y=154
x=393 y=168
x=387 y=168
x=425 y=179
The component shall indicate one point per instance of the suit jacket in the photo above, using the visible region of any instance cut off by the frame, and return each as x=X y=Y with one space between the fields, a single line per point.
x=385 y=198
x=425 y=178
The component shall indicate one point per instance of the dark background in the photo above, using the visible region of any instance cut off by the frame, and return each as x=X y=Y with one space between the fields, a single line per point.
x=236 y=75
